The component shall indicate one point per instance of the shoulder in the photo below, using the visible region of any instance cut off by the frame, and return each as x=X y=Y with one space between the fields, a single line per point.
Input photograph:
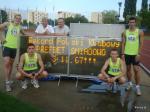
x=141 y=32
x=40 y=25
x=66 y=27
x=49 y=26
x=55 y=27
x=38 y=55
x=23 y=55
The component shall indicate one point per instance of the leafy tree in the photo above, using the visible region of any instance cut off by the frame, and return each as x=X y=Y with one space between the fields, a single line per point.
x=3 y=16
x=76 y=19
x=144 y=5
x=109 y=17
x=24 y=23
x=129 y=8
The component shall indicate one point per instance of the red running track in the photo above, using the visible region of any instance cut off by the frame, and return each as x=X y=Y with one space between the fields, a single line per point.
x=145 y=54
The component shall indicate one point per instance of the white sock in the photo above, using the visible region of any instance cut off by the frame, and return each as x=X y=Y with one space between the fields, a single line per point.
x=137 y=86
x=130 y=82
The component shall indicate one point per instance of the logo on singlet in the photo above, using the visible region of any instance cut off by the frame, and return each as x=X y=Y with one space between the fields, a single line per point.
x=14 y=32
x=131 y=38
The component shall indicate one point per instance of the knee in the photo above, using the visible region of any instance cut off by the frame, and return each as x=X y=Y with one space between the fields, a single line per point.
x=122 y=80
x=19 y=76
x=7 y=63
x=137 y=69
x=100 y=76
x=45 y=74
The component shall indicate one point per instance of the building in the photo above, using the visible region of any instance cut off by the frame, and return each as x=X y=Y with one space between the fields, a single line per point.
x=36 y=16
x=97 y=17
x=62 y=14
x=11 y=14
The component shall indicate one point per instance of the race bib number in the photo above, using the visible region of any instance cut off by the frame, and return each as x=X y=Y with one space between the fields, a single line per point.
x=115 y=70
x=14 y=32
x=31 y=65
x=131 y=38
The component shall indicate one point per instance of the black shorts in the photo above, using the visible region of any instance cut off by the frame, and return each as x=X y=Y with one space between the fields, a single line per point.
x=130 y=59
x=117 y=80
x=32 y=71
x=10 y=52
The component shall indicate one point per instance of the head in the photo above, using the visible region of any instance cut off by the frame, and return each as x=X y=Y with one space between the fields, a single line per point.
x=114 y=54
x=132 y=22
x=31 y=48
x=17 y=19
x=60 y=22
x=45 y=21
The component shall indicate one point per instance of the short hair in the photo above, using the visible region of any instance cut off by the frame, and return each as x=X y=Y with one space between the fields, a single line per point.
x=17 y=15
x=132 y=18
x=61 y=18
x=30 y=44
x=113 y=49
x=44 y=18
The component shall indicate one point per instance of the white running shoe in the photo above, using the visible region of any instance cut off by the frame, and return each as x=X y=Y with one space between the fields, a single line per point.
x=8 y=86
x=24 y=84
x=138 y=91
x=35 y=83
x=129 y=86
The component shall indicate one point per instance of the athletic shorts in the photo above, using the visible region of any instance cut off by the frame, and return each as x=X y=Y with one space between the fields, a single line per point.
x=113 y=76
x=32 y=71
x=9 y=52
x=130 y=59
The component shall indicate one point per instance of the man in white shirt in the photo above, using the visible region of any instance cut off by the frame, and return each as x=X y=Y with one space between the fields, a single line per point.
x=61 y=29
x=44 y=28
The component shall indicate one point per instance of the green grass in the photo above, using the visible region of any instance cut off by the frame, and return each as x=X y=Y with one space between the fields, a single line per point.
x=147 y=37
x=11 y=104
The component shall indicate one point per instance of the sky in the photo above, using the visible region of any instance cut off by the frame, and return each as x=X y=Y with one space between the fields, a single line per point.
x=84 y=7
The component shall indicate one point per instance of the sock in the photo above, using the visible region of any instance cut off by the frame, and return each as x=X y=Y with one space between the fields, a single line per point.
x=137 y=86
x=130 y=82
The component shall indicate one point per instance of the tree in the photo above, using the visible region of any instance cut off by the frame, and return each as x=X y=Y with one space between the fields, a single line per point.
x=51 y=22
x=3 y=16
x=109 y=17
x=76 y=19
x=144 y=5
x=129 y=8
x=24 y=23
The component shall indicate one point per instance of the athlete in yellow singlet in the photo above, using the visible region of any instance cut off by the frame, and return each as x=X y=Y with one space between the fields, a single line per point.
x=114 y=69
x=132 y=42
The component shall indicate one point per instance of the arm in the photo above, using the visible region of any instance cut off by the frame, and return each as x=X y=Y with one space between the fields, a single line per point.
x=123 y=46
x=103 y=71
x=141 y=41
x=141 y=36
x=2 y=26
x=41 y=64
x=123 y=42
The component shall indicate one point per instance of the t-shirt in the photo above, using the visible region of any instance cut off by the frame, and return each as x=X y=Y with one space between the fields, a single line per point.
x=40 y=29
x=64 y=29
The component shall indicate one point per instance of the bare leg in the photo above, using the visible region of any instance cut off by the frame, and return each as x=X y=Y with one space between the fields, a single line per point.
x=8 y=65
x=129 y=74
x=137 y=74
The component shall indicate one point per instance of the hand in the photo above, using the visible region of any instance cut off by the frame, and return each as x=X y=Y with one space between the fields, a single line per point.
x=30 y=76
x=3 y=41
x=109 y=80
x=36 y=75
x=137 y=58
x=113 y=79
x=123 y=57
